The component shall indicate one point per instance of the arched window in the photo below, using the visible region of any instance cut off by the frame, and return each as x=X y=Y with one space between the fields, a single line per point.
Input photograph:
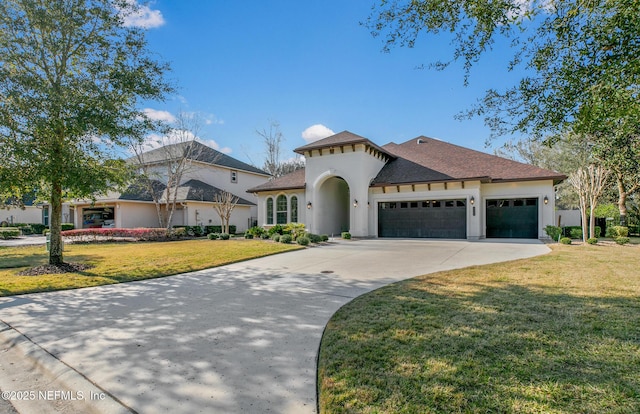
x=269 y=210
x=281 y=209
x=294 y=209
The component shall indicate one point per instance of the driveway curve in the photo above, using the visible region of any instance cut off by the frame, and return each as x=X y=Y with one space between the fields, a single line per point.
x=235 y=339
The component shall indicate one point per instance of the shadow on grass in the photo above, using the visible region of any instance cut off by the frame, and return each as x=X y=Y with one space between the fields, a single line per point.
x=420 y=347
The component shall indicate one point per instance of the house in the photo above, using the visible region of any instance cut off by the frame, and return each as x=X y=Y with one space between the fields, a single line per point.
x=207 y=172
x=422 y=188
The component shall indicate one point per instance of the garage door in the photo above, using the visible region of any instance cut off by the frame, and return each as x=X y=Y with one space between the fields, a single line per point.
x=513 y=218
x=425 y=219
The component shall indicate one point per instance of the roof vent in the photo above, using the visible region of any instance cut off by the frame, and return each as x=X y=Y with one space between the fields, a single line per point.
x=420 y=141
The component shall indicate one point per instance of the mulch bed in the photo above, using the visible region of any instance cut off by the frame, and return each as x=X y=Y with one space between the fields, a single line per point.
x=49 y=269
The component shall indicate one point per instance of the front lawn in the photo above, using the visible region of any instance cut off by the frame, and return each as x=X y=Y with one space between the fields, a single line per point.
x=558 y=333
x=125 y=262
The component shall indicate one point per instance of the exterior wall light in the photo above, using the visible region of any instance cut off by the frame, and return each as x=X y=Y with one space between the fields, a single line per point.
x=546 y=200
x=472 y=200
x=309 y=205
x=355 y=202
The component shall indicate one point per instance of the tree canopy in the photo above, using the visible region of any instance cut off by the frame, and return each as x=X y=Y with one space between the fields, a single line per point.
x=582 y=71
x=72 y=77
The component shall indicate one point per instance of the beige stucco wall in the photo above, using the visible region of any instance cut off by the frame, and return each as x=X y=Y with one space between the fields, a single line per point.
x=30 y=214
x=357 y=168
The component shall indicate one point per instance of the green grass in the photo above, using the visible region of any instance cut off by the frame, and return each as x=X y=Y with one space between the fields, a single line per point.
x=558 y=333
x=125 y=262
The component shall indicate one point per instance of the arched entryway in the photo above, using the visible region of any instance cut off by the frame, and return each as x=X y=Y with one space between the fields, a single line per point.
x=333 y=213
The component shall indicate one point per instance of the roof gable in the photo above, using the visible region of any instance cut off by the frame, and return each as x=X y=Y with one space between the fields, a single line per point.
x=340 y=139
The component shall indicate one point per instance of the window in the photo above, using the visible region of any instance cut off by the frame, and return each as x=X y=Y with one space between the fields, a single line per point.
x=414 y=204
x=269 y=210
x=404 y=205
x=449 y=203
x=294 y=209
x=281 y=210
x=435 y=204
x=45 y=216
x=460 y=203
x=234 y=176
x=518 y=203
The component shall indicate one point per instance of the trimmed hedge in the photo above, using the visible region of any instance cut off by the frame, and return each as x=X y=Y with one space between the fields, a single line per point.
x=346 y=235
x=7 y=233
x=303 y=241
x=565 y=240
x=99 y=234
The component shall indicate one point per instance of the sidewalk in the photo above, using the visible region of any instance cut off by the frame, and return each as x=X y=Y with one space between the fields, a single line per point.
x=24 y=241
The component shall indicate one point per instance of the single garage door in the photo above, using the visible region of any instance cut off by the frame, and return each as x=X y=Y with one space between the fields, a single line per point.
x=512 y=218
x=425 y=219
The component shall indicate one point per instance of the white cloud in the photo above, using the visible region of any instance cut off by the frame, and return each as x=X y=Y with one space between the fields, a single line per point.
x=316 y=132
x=157 y=115
x=213 y=144
x=143 y=16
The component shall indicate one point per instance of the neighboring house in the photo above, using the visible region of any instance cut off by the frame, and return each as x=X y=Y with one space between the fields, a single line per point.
x=209 y=172
x=423 y=188
x=31 y=212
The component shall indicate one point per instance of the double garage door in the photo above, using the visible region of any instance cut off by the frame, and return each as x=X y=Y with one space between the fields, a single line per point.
x=505 y=218
x=428 y=219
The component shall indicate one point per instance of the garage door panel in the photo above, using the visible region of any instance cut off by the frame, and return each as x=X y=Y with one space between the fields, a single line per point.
x=512 y=218
x=426 y=219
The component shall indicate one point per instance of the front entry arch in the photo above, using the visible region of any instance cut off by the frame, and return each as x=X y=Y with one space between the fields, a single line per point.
x=333 y=212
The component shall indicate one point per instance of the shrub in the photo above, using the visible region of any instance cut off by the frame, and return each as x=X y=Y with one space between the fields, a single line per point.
x=554 y=232
x=617 y=231
x=314 y=238
x=38 y=228
x=99 y=234
x=597 y=231
x=277 y=229
x=295 y=229
x=576 y=233
x=324 y=237
x=9 y=233
x=566 y=230
x=178 y=232
x=218 y=229
x=213 y=236
x=256 y=231
x=275 y=237
x=622 y=240
x=592 y=240
x=346 y=235
x=265 y=236
x=303 y=241
x=248 y=235
x=225 y=236
x=26 y=230
x=286 y=238
x=67 y=226
x=565 y=240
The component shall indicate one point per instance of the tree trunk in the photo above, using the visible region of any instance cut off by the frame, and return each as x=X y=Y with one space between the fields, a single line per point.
x=592 y=222
x=55 y=225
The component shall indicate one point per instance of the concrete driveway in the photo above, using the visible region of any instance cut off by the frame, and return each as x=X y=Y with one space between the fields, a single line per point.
x=236 y=339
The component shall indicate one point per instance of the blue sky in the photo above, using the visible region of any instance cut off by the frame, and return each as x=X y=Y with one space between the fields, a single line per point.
x=242 y=64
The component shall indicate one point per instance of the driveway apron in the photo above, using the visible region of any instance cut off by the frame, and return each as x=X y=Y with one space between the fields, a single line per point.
x=241 y=338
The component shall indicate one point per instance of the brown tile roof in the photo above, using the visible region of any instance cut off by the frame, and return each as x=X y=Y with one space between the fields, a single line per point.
x=291 y=181
x=341 y=138
x=454 y=162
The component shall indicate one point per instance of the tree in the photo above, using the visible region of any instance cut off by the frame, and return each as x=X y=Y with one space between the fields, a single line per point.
x=273 y=164
x=589 y=184
x=582 y=72
x=71 y=78
x=224 y=203
x=568 y=154
x=580 y=57
x=168 y=163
